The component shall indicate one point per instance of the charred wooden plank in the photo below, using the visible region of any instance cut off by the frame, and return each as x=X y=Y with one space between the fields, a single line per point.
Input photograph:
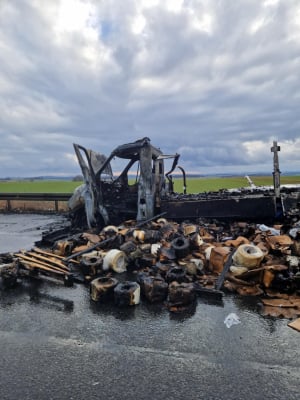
x=47 y=253
x=39 y=264
x=48 y=260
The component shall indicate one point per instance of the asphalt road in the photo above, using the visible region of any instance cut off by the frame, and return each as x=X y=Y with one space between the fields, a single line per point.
x=57 y=344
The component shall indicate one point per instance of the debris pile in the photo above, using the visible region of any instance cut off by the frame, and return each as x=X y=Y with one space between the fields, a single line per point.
x=164 y=261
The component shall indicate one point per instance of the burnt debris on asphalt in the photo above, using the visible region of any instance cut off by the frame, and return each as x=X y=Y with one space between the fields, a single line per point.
x=170 y=248
x=171 y=263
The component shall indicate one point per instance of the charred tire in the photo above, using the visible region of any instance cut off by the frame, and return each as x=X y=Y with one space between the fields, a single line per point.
x=181 y=246
x=102 y=289
x=176 y=274
x=127 y=294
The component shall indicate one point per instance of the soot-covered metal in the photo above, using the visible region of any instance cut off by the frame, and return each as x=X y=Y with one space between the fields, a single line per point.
x=105 y=198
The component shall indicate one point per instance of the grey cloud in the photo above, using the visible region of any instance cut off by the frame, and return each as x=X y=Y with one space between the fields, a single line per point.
x=204 y=93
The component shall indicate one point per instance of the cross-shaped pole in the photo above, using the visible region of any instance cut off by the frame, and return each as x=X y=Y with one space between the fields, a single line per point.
x=276 y=171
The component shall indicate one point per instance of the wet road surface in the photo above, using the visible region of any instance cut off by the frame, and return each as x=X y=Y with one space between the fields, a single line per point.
x=19 y=231
x=57 y=344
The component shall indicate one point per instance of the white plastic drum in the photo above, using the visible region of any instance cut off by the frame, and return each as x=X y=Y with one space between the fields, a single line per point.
x=248 y=255
x=116 y=260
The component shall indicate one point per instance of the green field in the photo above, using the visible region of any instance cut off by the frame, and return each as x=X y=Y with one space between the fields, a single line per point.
x=194 y=185
x=38 y=186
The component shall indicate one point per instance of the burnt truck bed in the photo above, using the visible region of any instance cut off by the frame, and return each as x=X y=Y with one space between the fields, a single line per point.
x=229 y=205
x=220 y=207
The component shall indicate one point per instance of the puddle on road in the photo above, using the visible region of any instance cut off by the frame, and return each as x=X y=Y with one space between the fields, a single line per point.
x=20 y=231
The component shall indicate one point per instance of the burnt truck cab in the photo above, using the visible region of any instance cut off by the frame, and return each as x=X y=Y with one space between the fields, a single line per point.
x=105 y=198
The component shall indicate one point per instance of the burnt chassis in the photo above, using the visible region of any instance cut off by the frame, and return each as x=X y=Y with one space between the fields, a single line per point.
x=110 y=200
x=106 y=199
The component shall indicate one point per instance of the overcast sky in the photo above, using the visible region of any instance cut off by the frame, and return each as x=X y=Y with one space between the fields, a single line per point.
x=214 y=80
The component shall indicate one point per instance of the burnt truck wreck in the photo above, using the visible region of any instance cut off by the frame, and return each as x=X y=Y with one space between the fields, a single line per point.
x=108 y=199
x=104 y=198
x=141 y=242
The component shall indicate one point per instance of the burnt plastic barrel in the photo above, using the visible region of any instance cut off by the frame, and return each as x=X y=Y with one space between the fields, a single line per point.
x=102 y=289
x=176 y=274
x=127 y=294
x=181 y=294
x=181 y=246
x=155 y=289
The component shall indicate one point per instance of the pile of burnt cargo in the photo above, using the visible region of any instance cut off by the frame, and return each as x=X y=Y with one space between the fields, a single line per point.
x=163 y=261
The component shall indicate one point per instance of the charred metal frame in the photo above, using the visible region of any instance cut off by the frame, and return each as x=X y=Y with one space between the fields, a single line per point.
x=113 y=199
x=107 y=199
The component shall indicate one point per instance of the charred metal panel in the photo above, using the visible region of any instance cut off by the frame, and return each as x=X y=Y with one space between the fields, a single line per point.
x=233 y=207
x=132 y=150
x=291 y=202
